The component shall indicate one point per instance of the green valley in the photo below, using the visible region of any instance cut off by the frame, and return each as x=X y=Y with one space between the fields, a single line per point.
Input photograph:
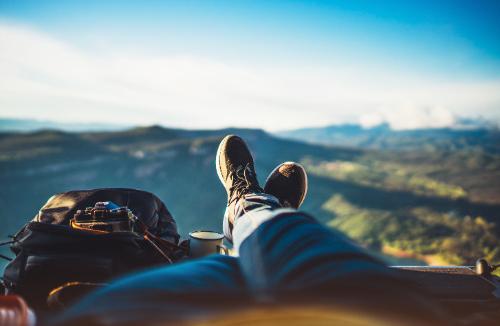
x=432 y=204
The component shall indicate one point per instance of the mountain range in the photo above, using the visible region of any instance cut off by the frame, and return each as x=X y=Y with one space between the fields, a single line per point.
x=29 y=125
x=466 y=135
x=423 y=196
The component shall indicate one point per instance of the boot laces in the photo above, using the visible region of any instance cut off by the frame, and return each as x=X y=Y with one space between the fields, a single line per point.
x=244 y=182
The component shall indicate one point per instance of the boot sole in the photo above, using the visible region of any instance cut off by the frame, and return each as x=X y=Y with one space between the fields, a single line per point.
x=306 y=182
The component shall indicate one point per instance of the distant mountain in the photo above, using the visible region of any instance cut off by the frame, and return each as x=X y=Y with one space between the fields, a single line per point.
x=434 y=206
x=467 y=135
x=28 y=125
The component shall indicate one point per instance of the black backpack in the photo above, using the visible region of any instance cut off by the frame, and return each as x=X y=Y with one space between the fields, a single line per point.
x=50 y=253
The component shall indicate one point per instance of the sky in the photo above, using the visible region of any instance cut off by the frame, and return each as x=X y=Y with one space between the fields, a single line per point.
x=261 y=64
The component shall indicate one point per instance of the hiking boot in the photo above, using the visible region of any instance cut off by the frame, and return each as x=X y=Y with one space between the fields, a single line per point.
x=288 y=183
x=235 y=168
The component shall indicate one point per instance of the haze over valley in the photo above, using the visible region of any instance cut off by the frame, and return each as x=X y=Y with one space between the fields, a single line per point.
x=428 y=196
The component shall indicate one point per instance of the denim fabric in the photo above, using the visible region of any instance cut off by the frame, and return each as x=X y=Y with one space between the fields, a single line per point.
x=292 y=252
x=283 y=255
x=249 y=204
x=194 y=288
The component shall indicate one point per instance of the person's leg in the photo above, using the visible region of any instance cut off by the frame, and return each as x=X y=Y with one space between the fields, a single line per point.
x=184 y=291
x=290 y=258
x=286 y=255
x=281 y=248
x=289 y=250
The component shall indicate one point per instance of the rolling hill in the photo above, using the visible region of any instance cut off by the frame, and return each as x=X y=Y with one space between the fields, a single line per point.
x=433 y=206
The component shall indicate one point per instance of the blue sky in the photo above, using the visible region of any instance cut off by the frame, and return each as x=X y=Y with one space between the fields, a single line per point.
x=193 y=63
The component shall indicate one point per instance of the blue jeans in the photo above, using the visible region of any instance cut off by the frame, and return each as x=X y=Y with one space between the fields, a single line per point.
x=284 y=256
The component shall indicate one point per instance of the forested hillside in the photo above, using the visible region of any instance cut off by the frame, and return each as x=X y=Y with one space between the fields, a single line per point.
x=436 y=205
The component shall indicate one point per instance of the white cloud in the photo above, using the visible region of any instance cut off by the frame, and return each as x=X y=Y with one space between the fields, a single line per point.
x=46 y=78
x=410 y=117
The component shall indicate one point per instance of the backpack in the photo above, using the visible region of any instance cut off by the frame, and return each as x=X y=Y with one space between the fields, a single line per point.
x=50 y=252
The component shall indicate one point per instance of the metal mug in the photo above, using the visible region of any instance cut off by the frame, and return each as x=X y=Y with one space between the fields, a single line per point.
x=204 y=243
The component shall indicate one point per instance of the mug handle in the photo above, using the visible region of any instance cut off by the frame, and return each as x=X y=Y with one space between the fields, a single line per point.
x=224 y=249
